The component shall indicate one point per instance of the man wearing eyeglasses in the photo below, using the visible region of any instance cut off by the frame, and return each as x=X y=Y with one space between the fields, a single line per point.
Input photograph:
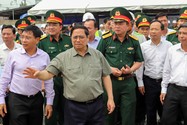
x=53 y=44
x=84 y=70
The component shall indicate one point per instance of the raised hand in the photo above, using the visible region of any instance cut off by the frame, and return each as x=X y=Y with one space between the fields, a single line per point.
x=31 y=73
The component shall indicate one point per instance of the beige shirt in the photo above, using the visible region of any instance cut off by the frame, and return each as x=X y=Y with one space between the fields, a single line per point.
x=82 y=76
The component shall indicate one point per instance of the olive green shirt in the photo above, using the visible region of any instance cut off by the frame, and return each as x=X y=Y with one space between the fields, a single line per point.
x=119 y=54
x=53 y=47
x=82 y=76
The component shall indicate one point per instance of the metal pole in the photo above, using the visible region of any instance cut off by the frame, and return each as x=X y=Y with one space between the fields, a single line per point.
x=13 y=14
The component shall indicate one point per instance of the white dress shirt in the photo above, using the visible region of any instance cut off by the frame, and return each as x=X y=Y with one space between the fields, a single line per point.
x=4 y=51
x=175 y=68
x=154 y=57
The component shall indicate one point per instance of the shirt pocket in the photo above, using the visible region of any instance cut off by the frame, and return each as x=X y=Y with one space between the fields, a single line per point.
x=111 y=50
x=51 y=51
x=95 y=72
x=73 y=72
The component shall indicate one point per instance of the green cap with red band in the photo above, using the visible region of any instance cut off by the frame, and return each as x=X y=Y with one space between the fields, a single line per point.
x=121 y=14
x=143 y=21
x=183 y=13
x=22 y=23
x=54 y=16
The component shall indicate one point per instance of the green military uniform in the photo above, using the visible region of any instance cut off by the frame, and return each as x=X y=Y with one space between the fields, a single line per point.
x=20 y=25
x=119 y=54
x=53 y=48
x=173 y=37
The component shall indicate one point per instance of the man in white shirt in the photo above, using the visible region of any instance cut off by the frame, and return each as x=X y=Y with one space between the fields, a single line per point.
x=174 y=83
x=149 y=75
x=8 y=36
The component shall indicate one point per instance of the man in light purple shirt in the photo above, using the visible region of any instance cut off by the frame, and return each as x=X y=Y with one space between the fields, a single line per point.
x=25 y=98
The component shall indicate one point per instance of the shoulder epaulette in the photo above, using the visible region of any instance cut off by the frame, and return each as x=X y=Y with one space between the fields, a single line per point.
x=43 y=36
x=135 y=38
x=106 y=35
x=173 y=32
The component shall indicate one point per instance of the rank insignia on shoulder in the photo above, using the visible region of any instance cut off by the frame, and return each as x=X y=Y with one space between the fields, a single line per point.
x=135 y=38
x=130 y=48
x=66 y=45
x=43 y=36
x=106 y=35
x=173 y=32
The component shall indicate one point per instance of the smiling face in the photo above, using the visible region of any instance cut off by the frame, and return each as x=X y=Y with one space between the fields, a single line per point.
x=54 y=28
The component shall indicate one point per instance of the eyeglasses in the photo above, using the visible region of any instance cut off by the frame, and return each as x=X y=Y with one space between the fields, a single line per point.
x=80 y=37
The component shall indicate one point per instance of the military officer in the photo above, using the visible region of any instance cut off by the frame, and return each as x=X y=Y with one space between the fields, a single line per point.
x=173 y=36
x=53 y=44
x=124 y=55
x=20 y=25
x=31 y=18
x=143 y=25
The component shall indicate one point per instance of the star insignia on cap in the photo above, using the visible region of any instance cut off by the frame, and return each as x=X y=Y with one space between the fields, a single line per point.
x=52 y=15
x=117 y=13
x=185 y=12
x=23 y=22
x=144 y=20
x=138 y=16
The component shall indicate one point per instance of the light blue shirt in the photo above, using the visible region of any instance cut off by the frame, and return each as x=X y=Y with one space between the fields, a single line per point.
x=17 y=61
x=94 y=43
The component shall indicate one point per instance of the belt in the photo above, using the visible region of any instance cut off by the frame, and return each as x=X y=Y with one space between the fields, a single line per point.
x=178 y=87
x=27 y=96
x=156 y=80
x=89 y=101
x=120 y=78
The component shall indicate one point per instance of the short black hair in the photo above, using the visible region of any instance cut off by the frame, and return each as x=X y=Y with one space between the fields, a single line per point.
x=161 y=25
x=9 y=27
x=183 y=25
x=34 y=29
x=95 y=23
x=80 y=27
x=106 y=20
x=161 y=14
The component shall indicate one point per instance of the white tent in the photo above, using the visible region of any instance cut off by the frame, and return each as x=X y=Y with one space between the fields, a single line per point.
x=107 y=5
x=68 y=6
x=81 y=6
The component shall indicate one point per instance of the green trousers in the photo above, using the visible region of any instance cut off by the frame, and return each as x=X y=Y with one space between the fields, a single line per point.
x=125 y=101
x=58 y=104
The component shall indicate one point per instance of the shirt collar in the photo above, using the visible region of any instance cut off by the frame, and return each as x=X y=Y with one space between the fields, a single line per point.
x=115 y=37
x=179 y=47
x=52 y=39
x=4 y=47
x=75 y=53
x=38 y=52
x=151 y=43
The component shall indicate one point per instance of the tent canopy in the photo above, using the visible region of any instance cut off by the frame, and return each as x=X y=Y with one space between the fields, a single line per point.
x=68 y=6
x=82 y=6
